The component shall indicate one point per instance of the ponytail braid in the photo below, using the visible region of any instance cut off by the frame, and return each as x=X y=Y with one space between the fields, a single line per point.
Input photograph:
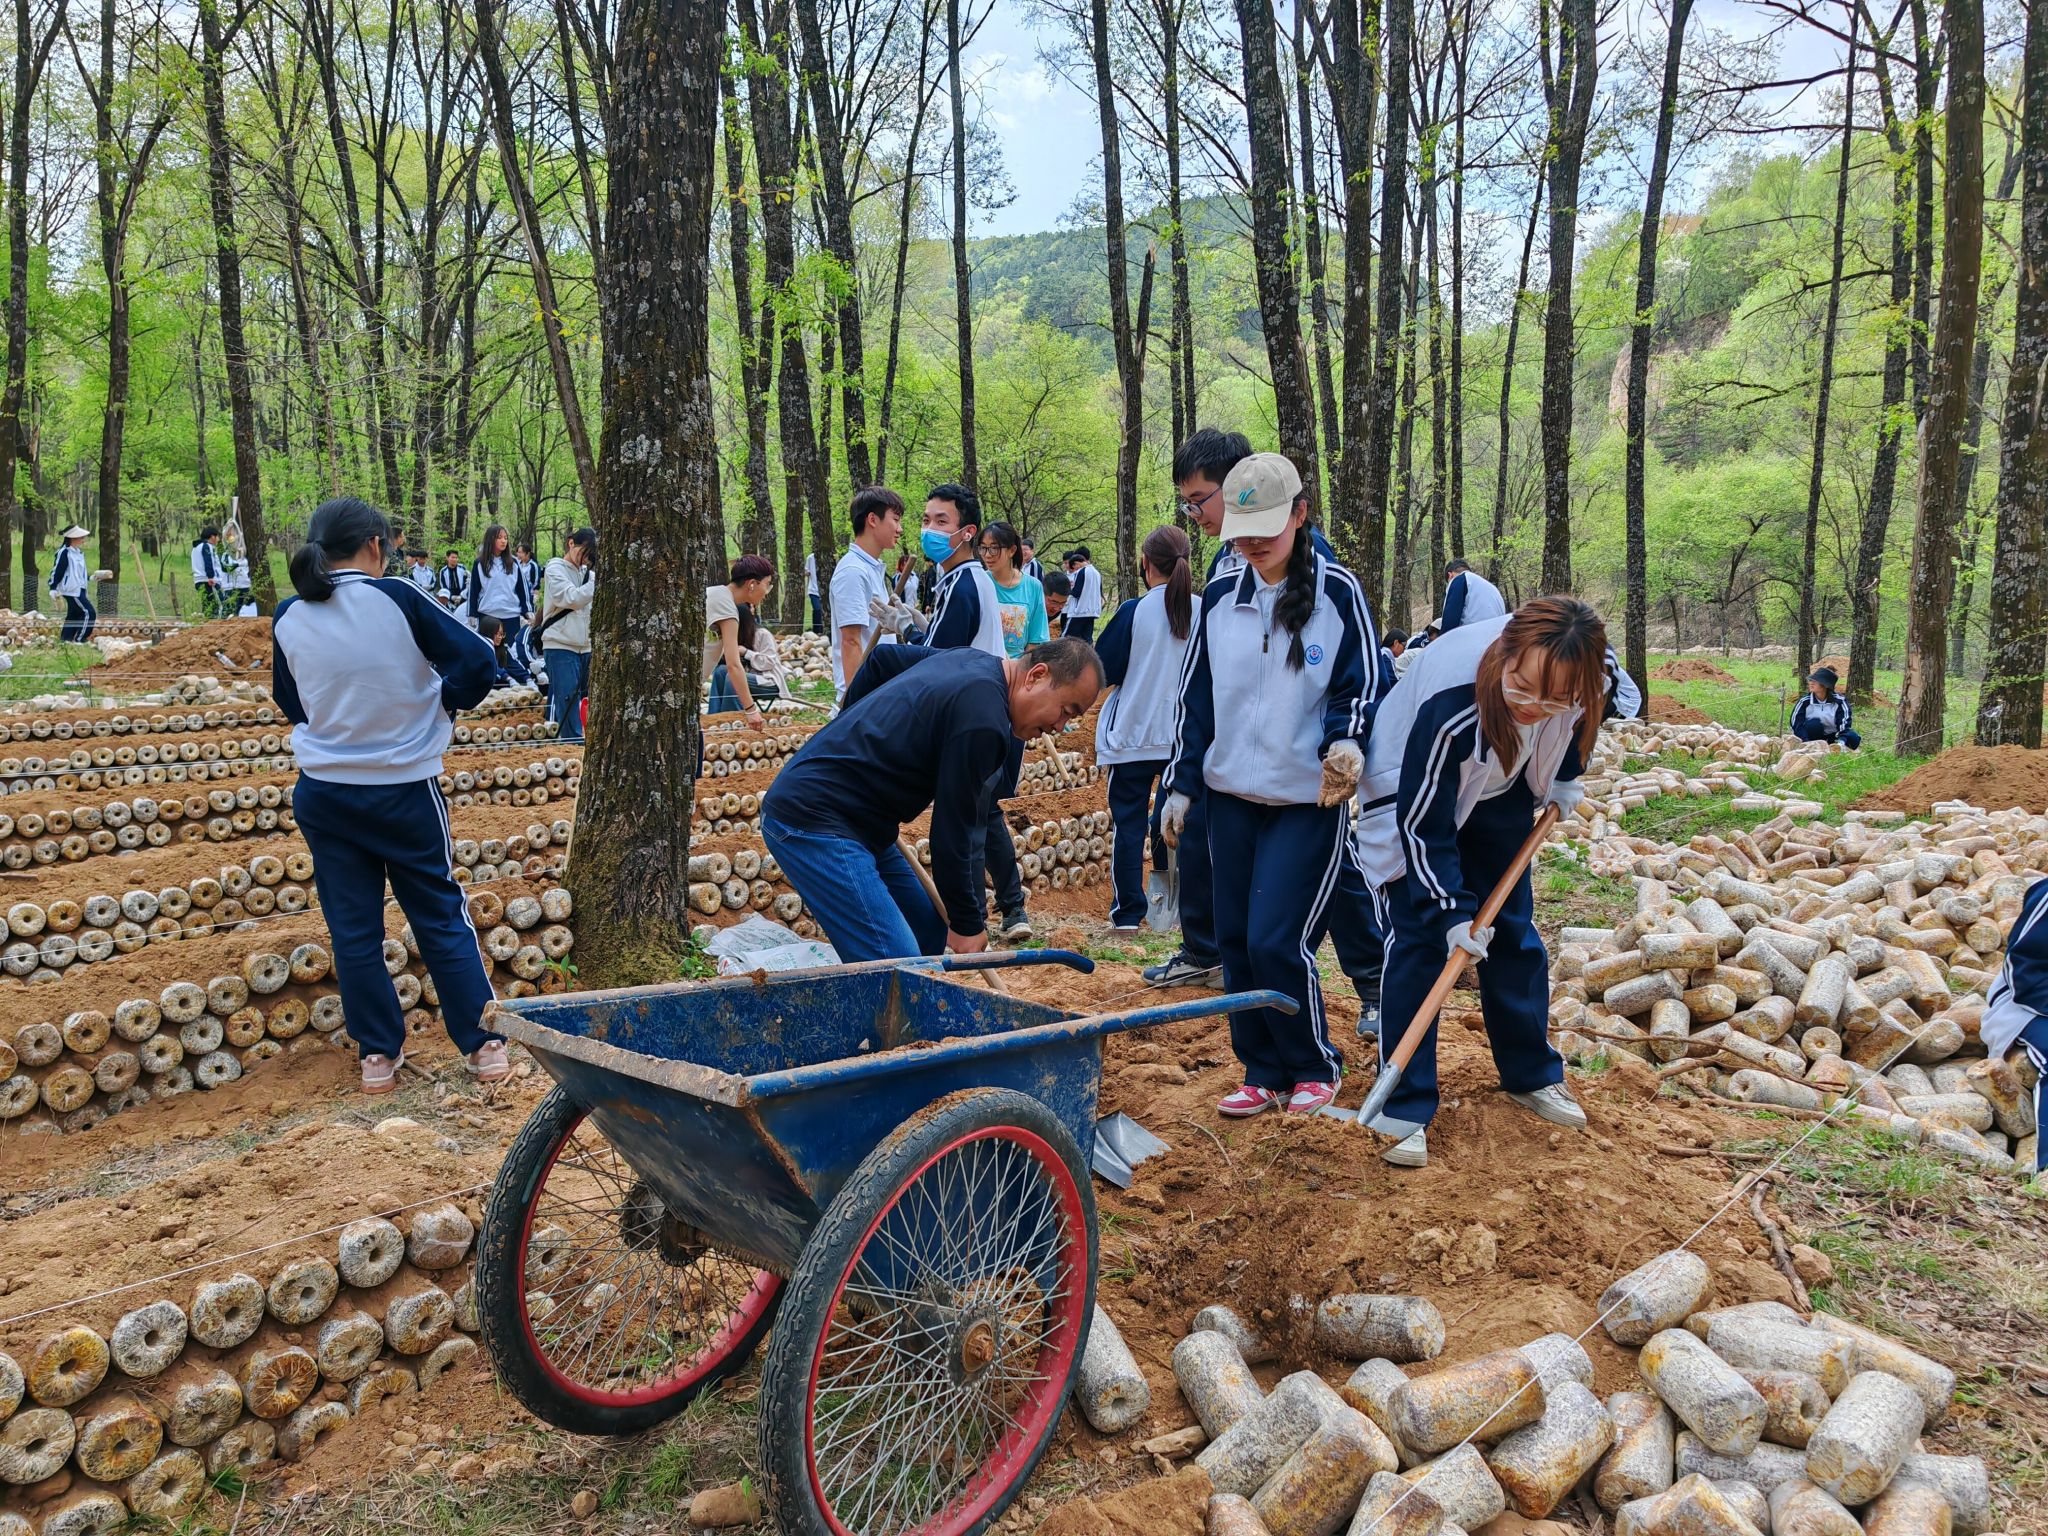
x=1298 y=597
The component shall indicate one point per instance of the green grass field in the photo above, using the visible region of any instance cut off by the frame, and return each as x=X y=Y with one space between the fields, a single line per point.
x=1764 y=692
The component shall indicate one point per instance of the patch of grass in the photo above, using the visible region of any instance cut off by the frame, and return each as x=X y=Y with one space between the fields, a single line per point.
x=1752 y=702
x=47 y=667
x=1569 y=895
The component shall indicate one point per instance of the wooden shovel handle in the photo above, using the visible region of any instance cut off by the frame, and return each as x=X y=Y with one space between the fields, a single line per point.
x=990 y=979
x=1404 y=1052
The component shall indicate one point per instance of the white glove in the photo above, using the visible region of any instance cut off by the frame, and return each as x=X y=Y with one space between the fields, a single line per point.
x=1173 y=819
x=1473 y=941
x=897 y=618
x=1565 y=794
x=1342 y=765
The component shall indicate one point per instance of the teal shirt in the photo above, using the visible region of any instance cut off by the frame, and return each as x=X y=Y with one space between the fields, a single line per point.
x=1023 y=615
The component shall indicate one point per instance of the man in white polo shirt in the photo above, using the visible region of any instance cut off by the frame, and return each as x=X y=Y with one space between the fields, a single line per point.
x=859 y=580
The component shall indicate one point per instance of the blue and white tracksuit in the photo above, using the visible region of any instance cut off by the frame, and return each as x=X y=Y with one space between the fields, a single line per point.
x=1828 y=719
x=68 y=581
x=2016 y=1011
x=1252 y=732
x=1469 y=599
x=1440 y=819
x=1142 y=664
x=371 y=679
x=206 y=579
x=1624 y=698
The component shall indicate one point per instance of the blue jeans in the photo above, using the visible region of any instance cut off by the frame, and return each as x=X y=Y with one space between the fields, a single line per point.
x=722 y=697
x=568 y=680
x=871 y=905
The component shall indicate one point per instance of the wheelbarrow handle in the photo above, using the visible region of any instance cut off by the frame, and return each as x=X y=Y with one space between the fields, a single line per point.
x=999 y=960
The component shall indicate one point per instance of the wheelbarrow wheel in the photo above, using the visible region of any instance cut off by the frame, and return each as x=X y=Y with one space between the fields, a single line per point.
x=598 y=1311
x=932 y=1326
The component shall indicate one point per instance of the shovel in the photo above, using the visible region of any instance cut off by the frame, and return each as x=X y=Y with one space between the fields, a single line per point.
x=1397 y=1061
x=1162 y=906
x=1120 y=1145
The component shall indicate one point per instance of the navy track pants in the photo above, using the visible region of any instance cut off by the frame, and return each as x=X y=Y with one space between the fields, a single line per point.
x=1135 y=822
x=1514 y=979
x=1275 y=869
x=362 y=835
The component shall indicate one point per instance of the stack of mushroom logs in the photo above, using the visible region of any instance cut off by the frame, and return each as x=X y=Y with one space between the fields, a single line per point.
x=1798 y=964
x=137 y=1420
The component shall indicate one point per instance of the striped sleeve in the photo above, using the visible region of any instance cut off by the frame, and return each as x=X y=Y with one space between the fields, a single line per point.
x=1194 y=717
x=1444 y=736
x=1354 y=693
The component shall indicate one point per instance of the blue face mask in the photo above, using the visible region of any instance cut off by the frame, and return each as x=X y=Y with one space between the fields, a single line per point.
x=937 y=546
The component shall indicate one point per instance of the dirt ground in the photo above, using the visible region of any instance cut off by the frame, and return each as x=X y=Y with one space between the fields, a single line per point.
x=1992 y=777
x=1670 y=711
x=1690 y=669
x=245 y=643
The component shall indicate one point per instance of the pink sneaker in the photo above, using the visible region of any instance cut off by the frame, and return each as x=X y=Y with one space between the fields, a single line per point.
x=1307 y=1098
x=380 y=1073
x=488 y=1063
x=1247 y=1101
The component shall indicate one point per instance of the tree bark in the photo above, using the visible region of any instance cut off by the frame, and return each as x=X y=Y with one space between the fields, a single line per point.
x=630 y=866
x=503 y=129
x=1507 y=379
x=1400 y=595
x=1461 y=43
x=1924 y=696
x=904 y=210
x=1571 y=108
x=963 y=284
x=757 y=536
x=2009 y=709
x=1926 y=90
x=1438 y=471
x=1353 y=85
x=1398 y=17
x=1635 y=622
x=1312 y=245
x=227 y=254
x=1129 y=368
x=853 y=409
x=1181 y=352
x=1816 y=477
x=1272 y=194
x=30 y=55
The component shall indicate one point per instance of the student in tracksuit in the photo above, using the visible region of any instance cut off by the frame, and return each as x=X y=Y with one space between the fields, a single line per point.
x=371 y=672
x=1276 y=698
x=496 y=586
x=1493 y=721
x=206 y=572
x=528 y=570
x=1468 y=596
x=451 y=582
x=1823 y=714
x=2016 y=1012
x=68 y=579
x=967 y=615
x=1143 y=648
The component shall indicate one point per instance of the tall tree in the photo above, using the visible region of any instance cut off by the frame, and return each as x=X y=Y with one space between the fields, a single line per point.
x=630 y=867
x=1570 y=92
x=2009 y=709
x=227 y=261
x=1272 y=194
x=757 y=532
x=1924 y=696
x=963 y=282
x=1130 y=368
x=1635 y=621
x=1817 y=470
x=505 y=130
x=1353 y=87
x=1397 y=23
x=1312 y=242
x=905 y=207
x=1181 y=352
x=1504 y=422
x=1459 y=22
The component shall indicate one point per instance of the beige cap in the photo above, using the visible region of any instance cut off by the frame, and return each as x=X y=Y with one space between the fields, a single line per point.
x=73 y=532
x=1258 y=494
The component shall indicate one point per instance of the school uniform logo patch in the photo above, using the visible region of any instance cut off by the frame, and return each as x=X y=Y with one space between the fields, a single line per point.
x=1314 y=655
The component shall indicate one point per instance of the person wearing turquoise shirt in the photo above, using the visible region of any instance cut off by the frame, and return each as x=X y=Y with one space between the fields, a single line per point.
x=1022 y=597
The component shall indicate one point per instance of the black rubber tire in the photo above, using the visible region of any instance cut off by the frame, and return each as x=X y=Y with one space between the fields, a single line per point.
x=813 y=1287
x=501 y=1297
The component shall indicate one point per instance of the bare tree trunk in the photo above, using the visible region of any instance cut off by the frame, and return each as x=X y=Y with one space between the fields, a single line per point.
x=1926 y=90
x=227 y=251
x=30 y=55
x=904 y=209
x=963 y=302
x=1461 y=43
x=1571 y=109
x=1352 y=90
x=1396 y=31
x=630 y=867
x=2009 y=709
x=1507 y=378
x=1400 y=597
x=1129 y=367
x=1635 y=622
x=502 y=126
x=1437 y=469
x=1180 y=352
x=757 y=535
x=1817 y=474
x=1924 y=697
x=1312 y=242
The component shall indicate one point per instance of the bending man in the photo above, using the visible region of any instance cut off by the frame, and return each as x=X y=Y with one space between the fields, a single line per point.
x=919 y=729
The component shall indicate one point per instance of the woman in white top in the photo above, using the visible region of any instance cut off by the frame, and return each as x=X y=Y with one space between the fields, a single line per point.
x=1143 y=649
x=730 y=623
x=496 y=585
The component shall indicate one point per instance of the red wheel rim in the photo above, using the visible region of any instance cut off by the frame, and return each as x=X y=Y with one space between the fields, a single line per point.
x=661 y=1327
x=895 y=1439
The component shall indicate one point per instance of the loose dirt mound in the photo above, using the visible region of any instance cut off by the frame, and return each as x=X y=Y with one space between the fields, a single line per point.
x=1671 y=711
x=1689 y=669
x=245 y=643
x=1993 y=777
x=1839 y=665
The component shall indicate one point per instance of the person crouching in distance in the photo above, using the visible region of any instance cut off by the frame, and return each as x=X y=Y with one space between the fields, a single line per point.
x=1493 y=721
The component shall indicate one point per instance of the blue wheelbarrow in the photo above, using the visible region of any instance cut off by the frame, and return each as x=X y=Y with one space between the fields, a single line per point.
x=885 y=1165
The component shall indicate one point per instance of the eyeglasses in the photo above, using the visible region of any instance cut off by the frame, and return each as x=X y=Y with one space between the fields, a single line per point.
x=1193 y=507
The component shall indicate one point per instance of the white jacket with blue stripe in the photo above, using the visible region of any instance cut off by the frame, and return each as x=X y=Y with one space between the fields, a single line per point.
x=1428 y=766
x=2019 y=993
x=1250 y=725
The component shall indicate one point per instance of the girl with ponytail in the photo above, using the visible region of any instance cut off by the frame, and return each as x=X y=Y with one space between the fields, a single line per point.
x=371 y=670
x=1143 y=648
x=1276 y=703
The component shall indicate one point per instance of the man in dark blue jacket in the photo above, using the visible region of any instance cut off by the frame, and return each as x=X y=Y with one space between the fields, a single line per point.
x=920 y=729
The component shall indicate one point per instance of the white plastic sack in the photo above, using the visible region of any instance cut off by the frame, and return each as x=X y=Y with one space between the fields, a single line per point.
x=761 y=944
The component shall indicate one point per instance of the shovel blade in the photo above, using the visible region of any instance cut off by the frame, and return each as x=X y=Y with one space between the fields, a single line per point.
x=1121 y=1144
x=1382 y=1090
x=1162 y=904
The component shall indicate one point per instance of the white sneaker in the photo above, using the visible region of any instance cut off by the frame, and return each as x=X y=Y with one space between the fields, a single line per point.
x=1555 y=1104
x=1411 y=1151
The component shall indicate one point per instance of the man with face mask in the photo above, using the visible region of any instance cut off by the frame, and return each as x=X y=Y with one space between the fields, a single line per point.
x=919 y=729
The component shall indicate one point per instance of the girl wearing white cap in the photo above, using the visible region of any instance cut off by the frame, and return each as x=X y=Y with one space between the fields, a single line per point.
x=1276 y=702
x=68 y=581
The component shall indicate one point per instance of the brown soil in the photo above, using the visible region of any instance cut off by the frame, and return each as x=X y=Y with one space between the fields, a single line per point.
x=1674 y=712
x=245 y=643
x=1690 y=669
x=1993 y=777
